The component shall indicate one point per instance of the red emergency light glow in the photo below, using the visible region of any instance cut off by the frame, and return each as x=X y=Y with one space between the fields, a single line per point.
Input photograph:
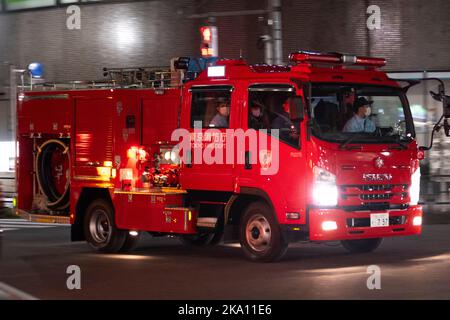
x=132 y=153
x=207 y=52
x=135 y=153
x=336 y=58
x=206 y=33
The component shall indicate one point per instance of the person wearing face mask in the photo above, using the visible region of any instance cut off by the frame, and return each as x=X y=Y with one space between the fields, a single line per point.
x=220 y=120
x=257 y=120
x=360 y=121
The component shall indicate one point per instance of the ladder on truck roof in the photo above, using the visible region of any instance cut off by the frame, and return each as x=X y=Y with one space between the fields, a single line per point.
x=125 y=78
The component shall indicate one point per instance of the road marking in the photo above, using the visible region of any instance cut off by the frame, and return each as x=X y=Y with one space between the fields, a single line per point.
x=11 y=293
x=28 y=223
x=17 y=224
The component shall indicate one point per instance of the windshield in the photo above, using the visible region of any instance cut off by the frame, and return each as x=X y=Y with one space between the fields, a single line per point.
x=360 y=113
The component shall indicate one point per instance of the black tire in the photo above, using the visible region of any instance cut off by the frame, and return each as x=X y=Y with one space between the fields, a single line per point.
x=204 y=239
x=100 y=228
x=130 y=242
x=200 y=240
x=257 y=223
x=361 y=245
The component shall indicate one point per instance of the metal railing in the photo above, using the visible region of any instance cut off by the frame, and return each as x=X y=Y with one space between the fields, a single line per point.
x=127 y=78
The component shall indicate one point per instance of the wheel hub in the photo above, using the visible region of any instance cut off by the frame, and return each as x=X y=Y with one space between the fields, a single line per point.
x=100 y=226
x=258 y=233
x=255 y=233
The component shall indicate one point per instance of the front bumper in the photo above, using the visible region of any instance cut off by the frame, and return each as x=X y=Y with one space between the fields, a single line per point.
x=356 y=225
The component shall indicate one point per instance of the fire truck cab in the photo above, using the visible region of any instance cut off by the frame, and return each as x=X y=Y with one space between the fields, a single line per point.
x=319 y=150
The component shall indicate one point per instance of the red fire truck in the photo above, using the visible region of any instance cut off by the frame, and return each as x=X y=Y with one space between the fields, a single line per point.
x=321 y=168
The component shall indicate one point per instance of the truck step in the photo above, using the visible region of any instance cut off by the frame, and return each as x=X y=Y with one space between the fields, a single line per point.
x=43 y=218
x=207 y=222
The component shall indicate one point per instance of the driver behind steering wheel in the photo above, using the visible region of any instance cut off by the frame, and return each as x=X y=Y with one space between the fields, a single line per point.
x=360 y=121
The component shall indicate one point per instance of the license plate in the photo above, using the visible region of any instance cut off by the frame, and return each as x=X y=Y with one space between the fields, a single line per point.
x=379 y=220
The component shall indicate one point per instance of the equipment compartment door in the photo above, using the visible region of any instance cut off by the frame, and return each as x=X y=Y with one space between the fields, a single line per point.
x=94 y=134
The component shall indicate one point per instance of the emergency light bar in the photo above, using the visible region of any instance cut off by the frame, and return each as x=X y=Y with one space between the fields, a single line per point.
x=336 y=58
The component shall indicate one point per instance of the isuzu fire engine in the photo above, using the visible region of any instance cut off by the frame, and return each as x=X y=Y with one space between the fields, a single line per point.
x=107 y=154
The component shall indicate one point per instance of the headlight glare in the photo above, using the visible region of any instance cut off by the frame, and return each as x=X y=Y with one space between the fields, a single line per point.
x=325 y=191
x=414 y=190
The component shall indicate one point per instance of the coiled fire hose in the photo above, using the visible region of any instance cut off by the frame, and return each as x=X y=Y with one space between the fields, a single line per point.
x=53 y=173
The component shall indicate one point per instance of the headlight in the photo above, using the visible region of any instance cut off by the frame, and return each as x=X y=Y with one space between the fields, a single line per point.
x=417 y=221
x=324 y=189
x=414 y=190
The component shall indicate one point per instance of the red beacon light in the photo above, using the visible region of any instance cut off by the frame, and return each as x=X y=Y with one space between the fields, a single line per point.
x=336 y=58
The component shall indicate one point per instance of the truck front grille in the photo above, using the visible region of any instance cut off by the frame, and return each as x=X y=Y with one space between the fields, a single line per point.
x=362 y=194
x=375 y=187
x=385 y=196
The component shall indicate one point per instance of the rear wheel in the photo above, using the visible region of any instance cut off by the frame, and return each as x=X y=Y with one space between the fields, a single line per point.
x=100 y=229
x=361 y=245
x=130 y=242
x=200 y=240
x=260 y=235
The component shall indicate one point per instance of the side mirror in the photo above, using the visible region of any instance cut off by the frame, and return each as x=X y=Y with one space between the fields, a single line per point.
x=446 y=128
x=441 y=97
x=446 y=107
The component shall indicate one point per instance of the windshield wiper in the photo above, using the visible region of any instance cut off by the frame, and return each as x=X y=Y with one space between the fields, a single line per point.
x=344 y=143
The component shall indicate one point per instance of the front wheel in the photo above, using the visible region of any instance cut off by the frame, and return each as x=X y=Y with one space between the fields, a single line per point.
x=260 y=235
x=100 y=229
x=361 y=245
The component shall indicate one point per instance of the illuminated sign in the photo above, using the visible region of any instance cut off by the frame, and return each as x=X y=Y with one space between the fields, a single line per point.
x=216 y=71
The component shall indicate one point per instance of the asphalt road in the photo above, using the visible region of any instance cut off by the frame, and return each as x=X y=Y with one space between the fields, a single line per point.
x=34 y=259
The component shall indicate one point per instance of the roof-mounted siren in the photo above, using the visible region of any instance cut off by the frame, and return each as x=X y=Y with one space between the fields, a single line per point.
x=336 y=58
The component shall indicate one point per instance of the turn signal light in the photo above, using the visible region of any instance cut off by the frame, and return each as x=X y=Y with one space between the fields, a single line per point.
x=292 y=215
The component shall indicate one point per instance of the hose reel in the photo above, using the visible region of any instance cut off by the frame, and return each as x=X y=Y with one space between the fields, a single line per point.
x=53 y=173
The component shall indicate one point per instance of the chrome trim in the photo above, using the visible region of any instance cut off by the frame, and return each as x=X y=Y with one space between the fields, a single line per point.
x=212 y=86
x=149 y=192
x=92 y=178
x=289 y=87
x=46 y=97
